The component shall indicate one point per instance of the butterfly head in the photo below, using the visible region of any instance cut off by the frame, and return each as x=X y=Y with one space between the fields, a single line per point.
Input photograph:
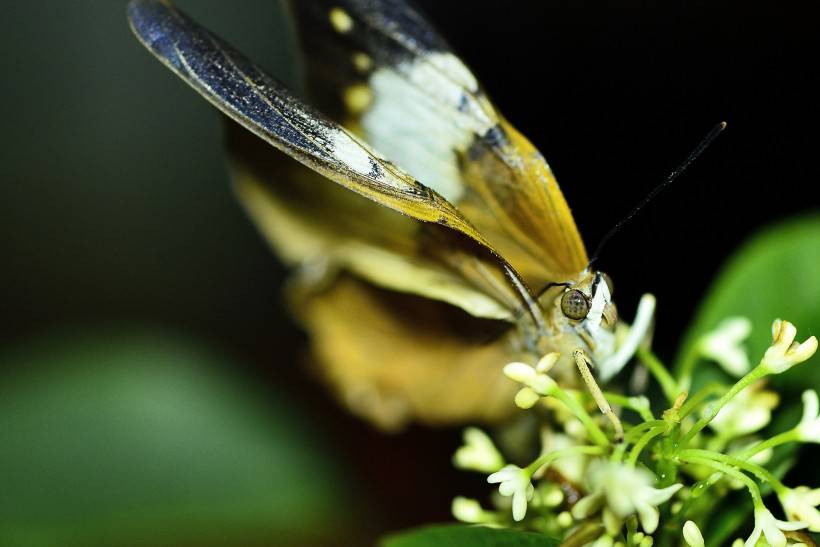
x=584 y=315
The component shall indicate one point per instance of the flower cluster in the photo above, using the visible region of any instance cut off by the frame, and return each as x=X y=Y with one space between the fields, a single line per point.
x=668 y=473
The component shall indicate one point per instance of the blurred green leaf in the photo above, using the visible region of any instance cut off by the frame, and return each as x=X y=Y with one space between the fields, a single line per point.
x=776 y=274
x=467 y=536
x=141 y=438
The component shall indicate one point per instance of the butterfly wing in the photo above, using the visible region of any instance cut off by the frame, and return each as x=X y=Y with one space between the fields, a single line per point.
x=379 y=68
x=373 y=231
x=267 y=109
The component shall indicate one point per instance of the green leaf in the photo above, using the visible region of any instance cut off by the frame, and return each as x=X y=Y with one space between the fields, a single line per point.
x=467 y=536
x=775 y=275
x=140 y=438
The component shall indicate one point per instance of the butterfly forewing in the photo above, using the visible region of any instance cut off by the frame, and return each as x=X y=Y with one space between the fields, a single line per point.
x=265 y=107
x=382 y=70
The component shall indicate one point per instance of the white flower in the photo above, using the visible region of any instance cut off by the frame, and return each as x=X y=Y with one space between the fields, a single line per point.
x=800 y=504
x=526 y=398
x=514 y=481
x=478 y=453
x=784 y=352
x=534 y=378
x=570 y=468
x=520 y=372
x=724 y=345
x=809 y=427
x=545 y=364
x=771 y=528
x=627 y=490
x=749 y=411
x=470 y=511
x=692 y=535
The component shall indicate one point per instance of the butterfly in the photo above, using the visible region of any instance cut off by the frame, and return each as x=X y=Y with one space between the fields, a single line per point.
x=429 y=240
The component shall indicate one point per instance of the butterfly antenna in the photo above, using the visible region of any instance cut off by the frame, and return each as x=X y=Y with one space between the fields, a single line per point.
x=670 y=178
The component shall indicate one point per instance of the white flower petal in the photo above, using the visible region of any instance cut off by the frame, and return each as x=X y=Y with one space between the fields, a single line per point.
x=628 y=490
x=753 y=538
x=692 y=535
x=723 y=345
x=774 y=536
x=648 y=515
x=506 y=488
x=526 y=398
x=519 y=505
x=547 y=362
x=771 y=528
x=478 y=453
x=809 y=427
x=467 y=510
x=805 y=350
x=811 y=405
x=543 y=384
x=519 y=372
x=504 y=474
x=747 y=412
x=514 y=482
x=784 y=353
x=800 y=504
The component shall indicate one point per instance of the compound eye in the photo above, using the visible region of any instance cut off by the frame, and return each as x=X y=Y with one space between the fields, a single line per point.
x=574 y=304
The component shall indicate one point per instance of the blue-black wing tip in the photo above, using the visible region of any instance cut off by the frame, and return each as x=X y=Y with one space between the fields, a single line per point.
x=156 y=25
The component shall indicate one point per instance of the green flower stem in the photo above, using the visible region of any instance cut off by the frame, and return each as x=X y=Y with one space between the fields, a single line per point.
x=712 y=410
x=550 y=457
x=595 y=433
x=627 y=402
x=700 y=487
x=754 y=491
x=637 y=431
x=667 y=382
x=634 y=434
x=705 y=392
x=643 y=441
x=791 y=435
x=760 y=472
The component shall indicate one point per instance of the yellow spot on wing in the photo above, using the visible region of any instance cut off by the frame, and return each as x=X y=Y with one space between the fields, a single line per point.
x=362 y=61
x=357 y=98
x=340 y=20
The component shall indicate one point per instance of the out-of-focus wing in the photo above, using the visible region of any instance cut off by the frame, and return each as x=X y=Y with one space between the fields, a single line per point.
x=379 y=68
x=266 y=108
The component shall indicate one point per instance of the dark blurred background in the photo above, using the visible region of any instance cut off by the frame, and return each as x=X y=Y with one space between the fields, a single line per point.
x=116 y=217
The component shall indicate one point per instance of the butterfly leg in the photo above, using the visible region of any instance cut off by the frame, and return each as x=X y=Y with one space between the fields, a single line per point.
x=583 y=363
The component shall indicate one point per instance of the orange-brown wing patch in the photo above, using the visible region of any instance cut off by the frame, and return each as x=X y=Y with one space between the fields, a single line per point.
x=394 y=358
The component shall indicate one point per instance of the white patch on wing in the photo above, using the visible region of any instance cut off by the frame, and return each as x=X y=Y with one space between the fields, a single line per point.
x=351 y=153
x=452 y=66
x=423 y=114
